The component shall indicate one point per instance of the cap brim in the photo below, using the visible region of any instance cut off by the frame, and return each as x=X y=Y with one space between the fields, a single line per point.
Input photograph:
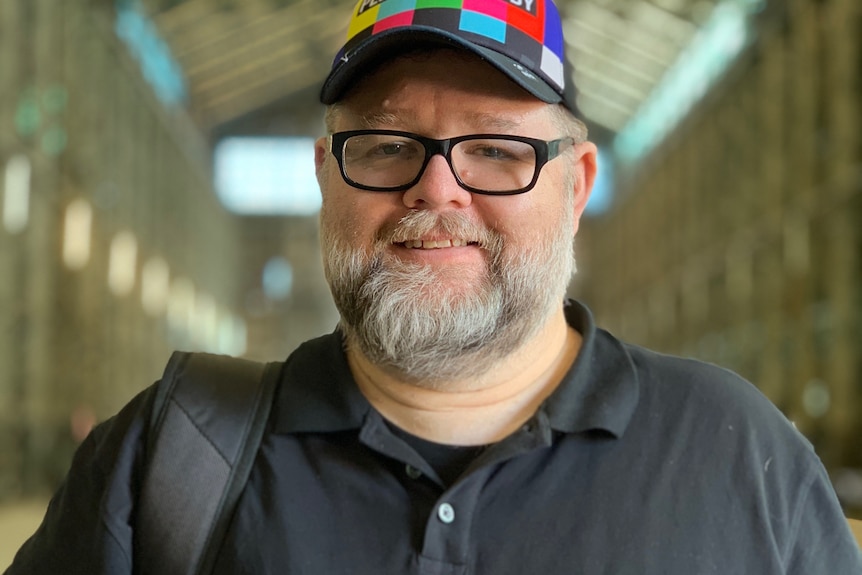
x=380 y=47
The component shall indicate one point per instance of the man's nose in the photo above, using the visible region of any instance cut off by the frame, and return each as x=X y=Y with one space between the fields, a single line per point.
x=437 y=188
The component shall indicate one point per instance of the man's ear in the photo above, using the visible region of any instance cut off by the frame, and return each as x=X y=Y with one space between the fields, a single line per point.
x=586 y=166
x=321 y=149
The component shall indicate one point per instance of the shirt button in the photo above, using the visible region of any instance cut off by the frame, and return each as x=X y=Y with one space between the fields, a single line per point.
x=412 y=472
x=446 y=513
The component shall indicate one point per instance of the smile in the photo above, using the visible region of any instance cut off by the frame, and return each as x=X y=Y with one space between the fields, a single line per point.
x=435 y=244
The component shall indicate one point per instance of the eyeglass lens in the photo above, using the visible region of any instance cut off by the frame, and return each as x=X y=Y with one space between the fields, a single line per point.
x=389 y=161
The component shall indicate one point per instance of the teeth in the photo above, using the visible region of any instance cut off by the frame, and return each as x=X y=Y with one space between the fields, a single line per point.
x=434 y=244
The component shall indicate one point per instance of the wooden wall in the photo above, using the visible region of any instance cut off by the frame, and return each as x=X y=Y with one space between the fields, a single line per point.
x=71 y=350
x=739 y=240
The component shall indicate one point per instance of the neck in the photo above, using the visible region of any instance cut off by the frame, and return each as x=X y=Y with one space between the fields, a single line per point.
x=475 y=411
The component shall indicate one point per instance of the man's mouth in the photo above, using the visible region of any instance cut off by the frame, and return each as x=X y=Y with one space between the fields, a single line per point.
x=435 y=244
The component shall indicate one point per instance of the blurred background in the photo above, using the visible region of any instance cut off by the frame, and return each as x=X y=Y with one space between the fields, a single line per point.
x=157 y=192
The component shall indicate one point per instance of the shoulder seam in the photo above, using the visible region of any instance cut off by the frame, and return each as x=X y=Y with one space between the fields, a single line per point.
x=797 y=517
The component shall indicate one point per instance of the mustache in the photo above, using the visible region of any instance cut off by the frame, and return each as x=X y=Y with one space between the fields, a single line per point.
x=418 y=223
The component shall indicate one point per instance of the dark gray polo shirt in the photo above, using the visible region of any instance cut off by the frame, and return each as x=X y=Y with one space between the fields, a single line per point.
x=639 y=464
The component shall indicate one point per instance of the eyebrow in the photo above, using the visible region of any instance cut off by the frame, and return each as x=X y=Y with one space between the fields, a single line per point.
x=495 y=121
x=483 y=120
x=376 y=119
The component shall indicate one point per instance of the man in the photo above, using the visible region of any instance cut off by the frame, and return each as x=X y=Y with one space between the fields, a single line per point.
x=461 y=419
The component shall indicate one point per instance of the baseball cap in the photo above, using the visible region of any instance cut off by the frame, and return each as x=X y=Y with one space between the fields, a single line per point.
x=521 y=38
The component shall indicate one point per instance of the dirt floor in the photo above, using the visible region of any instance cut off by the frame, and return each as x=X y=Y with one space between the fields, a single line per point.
x=856 y=525
x=18 y=520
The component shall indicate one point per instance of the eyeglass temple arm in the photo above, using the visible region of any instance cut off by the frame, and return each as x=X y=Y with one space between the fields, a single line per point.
x=555 y=145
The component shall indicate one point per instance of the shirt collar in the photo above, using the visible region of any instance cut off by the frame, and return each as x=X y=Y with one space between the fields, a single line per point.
x=601 y=389
x=318 y=392
x=599 y=392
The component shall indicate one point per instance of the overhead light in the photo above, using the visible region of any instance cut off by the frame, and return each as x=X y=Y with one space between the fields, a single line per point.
x=122 y=263
x=232 y=335
x=77 y=228
x=181 y=303
x=16 y=194
x=155 y=286
x=158 y=66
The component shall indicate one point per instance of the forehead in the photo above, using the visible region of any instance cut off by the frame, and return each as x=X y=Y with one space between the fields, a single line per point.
x=440 y=87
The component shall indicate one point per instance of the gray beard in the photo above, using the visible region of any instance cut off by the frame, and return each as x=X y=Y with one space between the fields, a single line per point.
x=403 y=319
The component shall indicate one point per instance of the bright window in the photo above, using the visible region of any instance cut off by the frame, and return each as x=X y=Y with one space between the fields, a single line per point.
x=267 y=176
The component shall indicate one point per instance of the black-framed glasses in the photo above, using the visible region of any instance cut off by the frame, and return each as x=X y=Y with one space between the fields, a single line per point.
x=392 y=161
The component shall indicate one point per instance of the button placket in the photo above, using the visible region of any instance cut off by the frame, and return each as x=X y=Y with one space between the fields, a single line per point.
x=448 y=530
x=449 y=527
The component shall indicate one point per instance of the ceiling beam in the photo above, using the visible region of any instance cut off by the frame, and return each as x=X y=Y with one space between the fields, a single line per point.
x=233 y=104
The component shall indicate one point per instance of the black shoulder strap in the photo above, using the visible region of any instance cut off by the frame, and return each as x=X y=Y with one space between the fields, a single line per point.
x=209 y=416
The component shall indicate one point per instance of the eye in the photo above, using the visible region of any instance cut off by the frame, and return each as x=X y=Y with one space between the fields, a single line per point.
x=391 y=149
x=493 y=150
x=395 y=150
x=379 y=148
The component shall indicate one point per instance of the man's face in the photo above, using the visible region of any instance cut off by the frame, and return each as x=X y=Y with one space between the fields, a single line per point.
x=436 y=283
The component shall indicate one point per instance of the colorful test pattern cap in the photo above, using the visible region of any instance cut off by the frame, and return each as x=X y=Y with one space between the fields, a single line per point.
x=521 y=38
